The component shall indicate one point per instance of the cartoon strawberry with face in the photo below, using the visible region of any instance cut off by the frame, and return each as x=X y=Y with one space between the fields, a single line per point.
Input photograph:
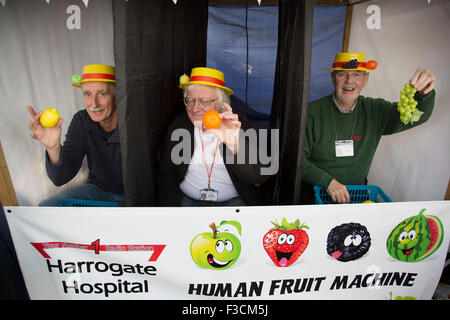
x=286 y=242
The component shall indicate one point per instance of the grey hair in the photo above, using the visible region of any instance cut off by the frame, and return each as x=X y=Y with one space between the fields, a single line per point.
x=111 y=87
x=221 y=94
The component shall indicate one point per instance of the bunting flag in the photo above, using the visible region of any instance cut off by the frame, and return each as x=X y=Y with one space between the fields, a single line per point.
x=86 y=2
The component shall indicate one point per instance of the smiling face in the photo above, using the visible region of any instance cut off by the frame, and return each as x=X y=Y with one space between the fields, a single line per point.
x=286 y=245
x=348 y=86
x=100 y=103
x=219 y=253
x=410 y=240
x=349 y=241
x=286 y=242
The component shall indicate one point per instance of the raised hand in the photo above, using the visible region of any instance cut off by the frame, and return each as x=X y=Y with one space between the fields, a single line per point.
x=49 y=137
x=230 y=128
x=423 y=80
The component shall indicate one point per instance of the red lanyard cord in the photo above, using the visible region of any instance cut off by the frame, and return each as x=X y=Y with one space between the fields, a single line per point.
x=208 y=172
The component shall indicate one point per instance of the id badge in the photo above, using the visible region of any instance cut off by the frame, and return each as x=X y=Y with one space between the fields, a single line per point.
x=344 y=148
x=208 y=195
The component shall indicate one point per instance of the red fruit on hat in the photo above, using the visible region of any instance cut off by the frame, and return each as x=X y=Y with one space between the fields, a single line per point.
x=371 y=64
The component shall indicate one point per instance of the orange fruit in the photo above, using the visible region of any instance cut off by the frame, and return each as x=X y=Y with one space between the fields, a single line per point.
x=211 y=119
x=371 y=64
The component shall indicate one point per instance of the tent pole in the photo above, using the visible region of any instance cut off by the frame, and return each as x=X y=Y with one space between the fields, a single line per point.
x=348 y=25
x=7 y=193
x=447 y=194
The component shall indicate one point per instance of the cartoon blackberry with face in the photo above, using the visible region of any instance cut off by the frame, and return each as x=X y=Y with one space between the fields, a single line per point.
x=349 y=241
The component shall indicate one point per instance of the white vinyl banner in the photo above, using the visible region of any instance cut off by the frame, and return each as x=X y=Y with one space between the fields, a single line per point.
x=355 y=251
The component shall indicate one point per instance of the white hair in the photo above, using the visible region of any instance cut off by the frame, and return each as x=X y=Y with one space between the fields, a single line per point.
x=221 y=94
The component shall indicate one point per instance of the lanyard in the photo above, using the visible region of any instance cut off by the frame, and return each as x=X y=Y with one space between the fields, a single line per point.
x=334 y=123
x=208 y=171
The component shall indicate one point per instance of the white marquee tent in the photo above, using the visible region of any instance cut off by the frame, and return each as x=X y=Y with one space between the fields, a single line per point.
x=42 y=43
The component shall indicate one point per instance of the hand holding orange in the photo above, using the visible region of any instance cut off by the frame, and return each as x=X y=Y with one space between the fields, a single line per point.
x=211 y=119
x=49 y=117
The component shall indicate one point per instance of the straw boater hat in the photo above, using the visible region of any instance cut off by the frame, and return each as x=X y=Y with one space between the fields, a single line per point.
x=94 y=72
x=207 y=77
x=352 y=61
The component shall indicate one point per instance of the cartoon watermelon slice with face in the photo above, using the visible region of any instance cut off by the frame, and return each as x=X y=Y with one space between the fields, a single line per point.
x=415 y=238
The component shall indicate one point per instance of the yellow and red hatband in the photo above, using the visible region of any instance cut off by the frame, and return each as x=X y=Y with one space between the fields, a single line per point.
x=207 y=77
x=352 y=61
x=94 y=72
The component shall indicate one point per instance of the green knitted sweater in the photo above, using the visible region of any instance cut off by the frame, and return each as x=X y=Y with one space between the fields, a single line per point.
x=370 y=119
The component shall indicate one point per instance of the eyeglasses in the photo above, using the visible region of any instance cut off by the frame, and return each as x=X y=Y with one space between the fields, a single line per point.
x=204 y=102
x=358 y=75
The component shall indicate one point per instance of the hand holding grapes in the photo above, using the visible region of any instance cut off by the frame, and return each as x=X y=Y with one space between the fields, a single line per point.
x=423 y=80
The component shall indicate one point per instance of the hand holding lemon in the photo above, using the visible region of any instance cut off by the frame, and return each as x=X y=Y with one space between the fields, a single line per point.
x=45 y=127
x=49 y=118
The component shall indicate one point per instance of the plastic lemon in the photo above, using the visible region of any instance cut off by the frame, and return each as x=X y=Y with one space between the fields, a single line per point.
x=49 y=117
x=184 y=78
x=368 y=201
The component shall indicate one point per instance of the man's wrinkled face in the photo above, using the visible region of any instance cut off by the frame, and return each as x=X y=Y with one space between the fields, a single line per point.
x=348 y=85
x=99 y=99
x=199 y=100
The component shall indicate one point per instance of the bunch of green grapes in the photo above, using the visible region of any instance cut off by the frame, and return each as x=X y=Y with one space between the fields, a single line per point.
x=407 y=105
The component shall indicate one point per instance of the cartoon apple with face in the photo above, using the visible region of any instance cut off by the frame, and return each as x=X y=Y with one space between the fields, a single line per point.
x=217 y=250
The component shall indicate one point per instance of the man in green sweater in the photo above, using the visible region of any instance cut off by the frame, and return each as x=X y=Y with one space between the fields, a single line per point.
x=343 y=129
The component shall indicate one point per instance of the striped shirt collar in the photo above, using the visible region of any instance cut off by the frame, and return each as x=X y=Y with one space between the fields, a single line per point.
x=342 y=109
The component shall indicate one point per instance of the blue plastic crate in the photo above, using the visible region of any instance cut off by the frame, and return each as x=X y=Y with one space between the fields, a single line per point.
x=86 y=203
x=358 y=194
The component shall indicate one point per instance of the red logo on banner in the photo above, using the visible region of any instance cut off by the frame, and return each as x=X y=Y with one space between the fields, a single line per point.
x=96 y=247
x=357 y=138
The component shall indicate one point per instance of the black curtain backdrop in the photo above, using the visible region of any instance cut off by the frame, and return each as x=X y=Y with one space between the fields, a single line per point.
x=290 y=100
x=12 y=284
x=155 y=42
